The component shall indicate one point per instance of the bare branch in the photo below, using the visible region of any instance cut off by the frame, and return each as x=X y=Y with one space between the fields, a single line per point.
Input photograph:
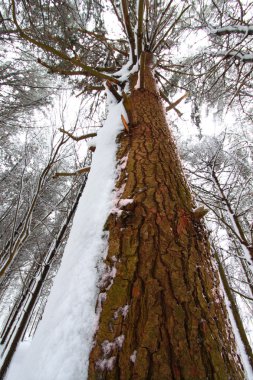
x=74 y=60
x=170 y=103
x=113 y=90
x=170 y=28
x=174 y=104
x=154 y=34
x=241 y=294
x=78 y=138
x=142 y=70
x=140 y=28
x=71 y=174
x=124 y=4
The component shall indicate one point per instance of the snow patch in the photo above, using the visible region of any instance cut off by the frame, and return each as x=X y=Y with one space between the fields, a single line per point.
x=119 y=341
x=121 y=311
x=107 y=275
x=122 y=164
x=125 y=202
x=101 y=299
x=133 y=356
x=117 y=209
x=108 y=347
x=106 y=364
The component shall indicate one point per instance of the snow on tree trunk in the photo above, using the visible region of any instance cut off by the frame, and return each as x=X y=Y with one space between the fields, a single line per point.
x=61 y=345
x=161 y=312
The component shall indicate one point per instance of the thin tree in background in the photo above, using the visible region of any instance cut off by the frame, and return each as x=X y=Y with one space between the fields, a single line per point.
x=220 y=174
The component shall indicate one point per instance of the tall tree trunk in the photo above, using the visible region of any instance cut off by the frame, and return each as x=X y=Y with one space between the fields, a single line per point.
x=161 y=314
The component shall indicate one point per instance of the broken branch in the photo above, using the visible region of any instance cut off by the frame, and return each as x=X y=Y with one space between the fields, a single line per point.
x=66 y=174
x=174 y=104
x=125 y=123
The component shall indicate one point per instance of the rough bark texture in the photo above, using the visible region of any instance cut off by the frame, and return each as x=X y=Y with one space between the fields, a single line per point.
x=162 y=316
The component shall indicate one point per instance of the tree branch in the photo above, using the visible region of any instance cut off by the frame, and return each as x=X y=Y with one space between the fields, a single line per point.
x=174 y=104
x=142 y=70
x=25 y=228
x=170 y=28
x=78 y=138
x=130 y=34
x=236 y=29
x=113 y=90
x=60 y=70
x=140 y=28
x=246 y=58
x=170 y=103
x=118 y=16
x=241 y=294
x=154 y=34
x=66 y=174
x=91 y=88
x=74 y=60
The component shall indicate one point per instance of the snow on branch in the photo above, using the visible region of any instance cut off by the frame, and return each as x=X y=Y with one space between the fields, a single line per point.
x=236 y=29
x=246 y=58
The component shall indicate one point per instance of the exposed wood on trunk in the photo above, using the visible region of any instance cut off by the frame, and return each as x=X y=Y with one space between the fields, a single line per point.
x=163 y=316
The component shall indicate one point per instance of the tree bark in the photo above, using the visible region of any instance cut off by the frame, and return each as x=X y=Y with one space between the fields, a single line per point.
x=161 y=313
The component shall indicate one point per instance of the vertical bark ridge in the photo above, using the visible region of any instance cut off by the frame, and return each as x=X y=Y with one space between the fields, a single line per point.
x=163 y=316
